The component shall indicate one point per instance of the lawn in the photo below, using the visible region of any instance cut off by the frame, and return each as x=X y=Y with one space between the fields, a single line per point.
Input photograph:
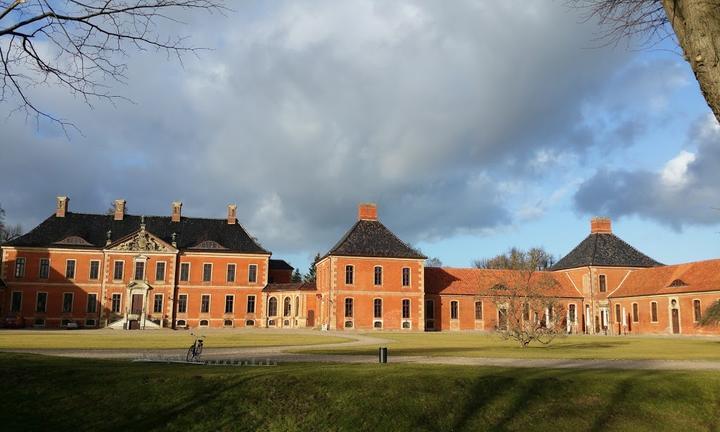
x=156 y=339
x=571 y=347
x=50 y=393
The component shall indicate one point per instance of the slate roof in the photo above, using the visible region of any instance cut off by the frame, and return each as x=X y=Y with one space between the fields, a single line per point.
x=93 y=229
x=370 y=238
x=278 y=264
x=480 y=282
x=604 y=250
x=294 y=286
x=695 y=276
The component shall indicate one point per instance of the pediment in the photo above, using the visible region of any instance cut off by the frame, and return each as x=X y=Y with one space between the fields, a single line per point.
x=141 y=241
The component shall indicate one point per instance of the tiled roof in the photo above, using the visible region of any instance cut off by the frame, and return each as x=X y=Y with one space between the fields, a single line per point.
x=472 y=281
x=295 y=286
x=604 y=250
x=278 y=264
x=370 y=238
x=92 y=228
x=694 y=277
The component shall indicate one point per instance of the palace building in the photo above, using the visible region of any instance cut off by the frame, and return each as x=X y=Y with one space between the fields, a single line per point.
x=78 y=270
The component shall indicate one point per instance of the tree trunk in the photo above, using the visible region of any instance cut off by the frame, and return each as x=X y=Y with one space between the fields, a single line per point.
x=697 y=26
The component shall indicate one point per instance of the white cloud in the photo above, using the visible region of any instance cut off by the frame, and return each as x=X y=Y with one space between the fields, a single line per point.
x=674 y=174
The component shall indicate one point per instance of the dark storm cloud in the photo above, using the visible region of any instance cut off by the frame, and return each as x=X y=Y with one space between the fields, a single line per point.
x=303 y=110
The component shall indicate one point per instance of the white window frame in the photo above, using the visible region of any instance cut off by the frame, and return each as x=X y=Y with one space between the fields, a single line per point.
x=22 y=267
x=209 y=308
x=164 y=264
x=657 y=312
x=186 y=303
x=234 y=273
x=232 y=296
x=352 y=273
x=40 y=276
x=90 y=270
x=74 y=261
x=381 y=276
x=205 y=264
x=457 y=310
x=37 y=296
x=162 y=303
x=120 y=297
x=189 y=272
x=72 y=302
x=122 y=270
x=402 y=277
x=250 y=266
x=254 y=303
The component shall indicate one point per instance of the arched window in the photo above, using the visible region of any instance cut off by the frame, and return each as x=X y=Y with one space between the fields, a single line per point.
x=378 y=275
x=272 y=306
x=377 y=308
x=286 y=307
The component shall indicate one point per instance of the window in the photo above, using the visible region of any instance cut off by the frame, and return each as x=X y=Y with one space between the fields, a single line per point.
x=228 y=323
x=250 y=323
x=618 y=314
x=653 y=312
x=406 y=276
x=286 y=307
x=252 y=273
x=377 y=308
x=453 y=310
x=70 y=269
x=205 y=303
x=572 y=313
x=182 y=303
x=251 y=304
x=526 y=312
x=348 y=308
x=696 y=310
x=41 y=303
x=348 y=275
x=406 y=308
x=159 y=271
x=229 y=304
x=478 y=310
x=635 y=313
x=44 y=272
x=181 y=323
x=204 y=323
x=19 y=267
x=89 y=323
x=207 y=272
x=231 y=273
x=429 y=309
x=185 y=272
x=139 y=270
x=272 y=306
x=92 y=303
x=115 y=306
x=118 y=270
x=67 y=302
x=94 y=270
x=16 y=301
x=378 y=275
x=602 y=281
x=158 y=303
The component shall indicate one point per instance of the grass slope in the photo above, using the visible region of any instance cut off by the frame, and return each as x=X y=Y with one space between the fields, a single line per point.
x=572 y=347
x=48 y=393
x=157 y=339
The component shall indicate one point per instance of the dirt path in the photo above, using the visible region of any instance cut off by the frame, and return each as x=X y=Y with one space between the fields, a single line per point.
x=279 y=354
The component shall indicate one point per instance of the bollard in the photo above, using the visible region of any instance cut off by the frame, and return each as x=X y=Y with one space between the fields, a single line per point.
x=383 y=355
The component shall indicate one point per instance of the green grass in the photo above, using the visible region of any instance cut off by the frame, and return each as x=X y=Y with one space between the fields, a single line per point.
x=572 y=347
x=156 y=339
x=50 y=393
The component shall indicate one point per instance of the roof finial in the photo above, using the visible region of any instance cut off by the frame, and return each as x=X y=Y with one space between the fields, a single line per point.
x=174 y=238
x=108 y=235
x=142 y=223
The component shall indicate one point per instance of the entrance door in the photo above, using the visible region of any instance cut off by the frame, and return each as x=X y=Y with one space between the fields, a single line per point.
x=311 y=318
x=675 y=321
x=429 y=315
x=502 y=319
x=136 y=308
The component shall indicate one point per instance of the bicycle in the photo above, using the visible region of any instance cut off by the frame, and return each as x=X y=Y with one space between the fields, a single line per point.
x=195 y=349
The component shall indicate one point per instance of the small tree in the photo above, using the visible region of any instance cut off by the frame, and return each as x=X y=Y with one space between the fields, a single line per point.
x=310 y=276
x=433 y=262
x=528 y=307
x=535 y=258
x=296 y=276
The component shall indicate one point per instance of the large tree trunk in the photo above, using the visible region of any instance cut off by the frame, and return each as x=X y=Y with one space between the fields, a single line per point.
x=697 y=26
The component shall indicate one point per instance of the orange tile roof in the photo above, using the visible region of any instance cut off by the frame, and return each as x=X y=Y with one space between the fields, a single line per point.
x=472 y=281
x=695 y=276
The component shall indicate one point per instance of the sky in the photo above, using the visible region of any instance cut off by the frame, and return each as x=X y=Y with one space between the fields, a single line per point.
x=474 y=125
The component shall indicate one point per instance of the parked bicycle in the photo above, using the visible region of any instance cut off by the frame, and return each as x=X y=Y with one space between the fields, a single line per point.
x=195 y=349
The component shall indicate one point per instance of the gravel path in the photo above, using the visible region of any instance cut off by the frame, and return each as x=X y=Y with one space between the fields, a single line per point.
x=278 y=354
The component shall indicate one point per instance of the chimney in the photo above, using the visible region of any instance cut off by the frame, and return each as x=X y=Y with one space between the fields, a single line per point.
x=176 y=211
x=119 y=209
x=232 y=214
x=600 y=225
x=62 y=206
x=367 y=211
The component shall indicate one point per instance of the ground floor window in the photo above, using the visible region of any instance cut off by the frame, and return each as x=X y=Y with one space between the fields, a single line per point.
x=92 y=303
x=67 y=302
x=429 y=309
x=272 y=306
x=453 y=310
x=635 y=313
x=16 y=301
x=348 y=308
x=572 y=313
x=182 y=303
x=618 y=314
x=205 y=303
x=696 y=310
x=251 y=304
x=229 y=304
x=287 y=307
x=653 y=312
x=41 y=302
x=406 y=308
x=478 y=310
x=204 y=323
x=377 y=308
x=115 y=304
x=158 y=303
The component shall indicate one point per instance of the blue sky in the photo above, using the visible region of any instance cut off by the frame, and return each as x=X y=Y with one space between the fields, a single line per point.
x=475 y=126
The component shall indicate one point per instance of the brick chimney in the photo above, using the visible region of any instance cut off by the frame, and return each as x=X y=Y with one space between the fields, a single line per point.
x=367 y=211
x=232 y=214
x=62 y=206
x=176 y=211
x=119 y=209
x=600 y=225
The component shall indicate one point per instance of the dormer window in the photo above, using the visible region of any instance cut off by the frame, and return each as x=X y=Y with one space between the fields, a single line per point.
x=75 y=241
x=677 y=283
x=208 y=244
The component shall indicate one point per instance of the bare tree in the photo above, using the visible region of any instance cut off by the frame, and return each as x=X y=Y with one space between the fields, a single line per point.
x=528 y=307
x=535 y=258
x=81 y=45
x=8 y=233
x=695 y=23
x=433 y=262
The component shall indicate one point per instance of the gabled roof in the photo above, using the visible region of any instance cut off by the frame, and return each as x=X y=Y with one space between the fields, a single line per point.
x=482 y=282
x=93 y=229
x=370 y=238
x=696 y=276
x=294 y=286
x=604 y=250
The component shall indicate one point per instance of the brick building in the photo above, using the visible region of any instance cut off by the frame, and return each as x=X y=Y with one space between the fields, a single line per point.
x=134 y=272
